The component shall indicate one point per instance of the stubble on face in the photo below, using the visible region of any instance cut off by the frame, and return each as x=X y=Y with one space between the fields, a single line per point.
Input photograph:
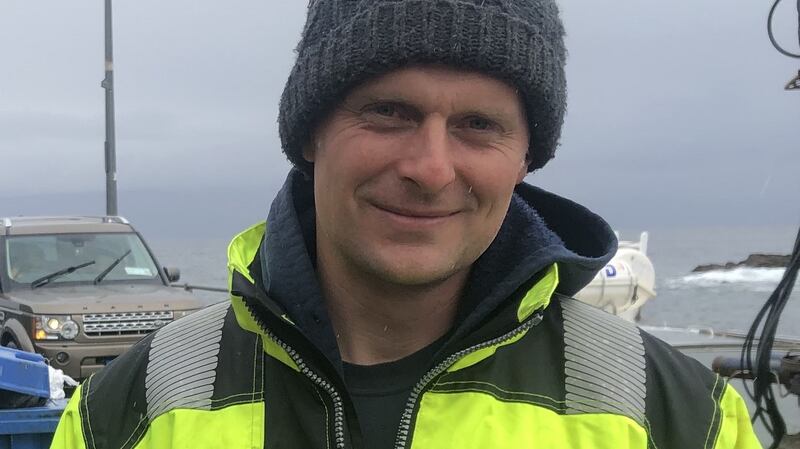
x=414 y=174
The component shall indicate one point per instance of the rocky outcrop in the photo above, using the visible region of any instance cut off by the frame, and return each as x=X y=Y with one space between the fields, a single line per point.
x=752 y=261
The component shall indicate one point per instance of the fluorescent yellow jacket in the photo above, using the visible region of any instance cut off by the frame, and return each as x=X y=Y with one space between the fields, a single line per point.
x=545 y=372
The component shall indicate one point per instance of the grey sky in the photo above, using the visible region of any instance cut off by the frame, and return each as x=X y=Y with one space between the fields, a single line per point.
x=676 y=116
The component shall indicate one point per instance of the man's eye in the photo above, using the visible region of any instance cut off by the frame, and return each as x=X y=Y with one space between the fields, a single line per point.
x=386 y=110
x=387 y=115
x=479 y=123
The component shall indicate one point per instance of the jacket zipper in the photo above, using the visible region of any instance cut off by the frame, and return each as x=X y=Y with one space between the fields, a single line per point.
x=319 y=381
x=405 y=422
x=404 y=430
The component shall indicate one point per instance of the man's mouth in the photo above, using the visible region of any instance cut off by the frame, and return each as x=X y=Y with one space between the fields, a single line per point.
x=415 y=215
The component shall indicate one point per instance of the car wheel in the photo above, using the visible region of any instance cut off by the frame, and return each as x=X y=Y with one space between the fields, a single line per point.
x=11 y=344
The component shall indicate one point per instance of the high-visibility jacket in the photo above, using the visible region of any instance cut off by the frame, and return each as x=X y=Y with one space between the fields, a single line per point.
x=544 y=372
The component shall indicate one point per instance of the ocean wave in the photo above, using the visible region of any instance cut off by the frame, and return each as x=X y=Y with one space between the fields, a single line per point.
x=754 y=277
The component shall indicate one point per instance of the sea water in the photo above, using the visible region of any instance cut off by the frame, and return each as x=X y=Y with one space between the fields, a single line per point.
x=720 y=300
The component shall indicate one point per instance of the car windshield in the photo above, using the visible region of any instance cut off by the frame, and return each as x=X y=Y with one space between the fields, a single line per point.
x=33 y=257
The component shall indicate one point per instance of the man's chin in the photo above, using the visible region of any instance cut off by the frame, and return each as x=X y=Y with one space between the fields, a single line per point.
x=414 y=274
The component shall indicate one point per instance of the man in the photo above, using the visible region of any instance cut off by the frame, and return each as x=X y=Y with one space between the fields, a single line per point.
x=408 y=290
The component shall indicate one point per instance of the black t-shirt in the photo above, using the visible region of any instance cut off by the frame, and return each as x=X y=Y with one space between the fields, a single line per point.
x=380 y=393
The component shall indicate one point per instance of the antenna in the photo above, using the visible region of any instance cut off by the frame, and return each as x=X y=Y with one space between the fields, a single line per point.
x=110 y=147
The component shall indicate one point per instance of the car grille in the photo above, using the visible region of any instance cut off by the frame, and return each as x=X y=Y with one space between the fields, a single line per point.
x=124 y=323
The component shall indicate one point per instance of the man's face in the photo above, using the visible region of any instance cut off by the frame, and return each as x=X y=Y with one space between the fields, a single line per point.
x=414 y=173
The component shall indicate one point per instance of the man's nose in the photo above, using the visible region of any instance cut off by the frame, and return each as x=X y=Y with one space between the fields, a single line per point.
x=428 y=161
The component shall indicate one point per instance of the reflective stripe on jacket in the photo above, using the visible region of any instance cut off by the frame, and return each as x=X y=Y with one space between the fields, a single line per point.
x=545 y=372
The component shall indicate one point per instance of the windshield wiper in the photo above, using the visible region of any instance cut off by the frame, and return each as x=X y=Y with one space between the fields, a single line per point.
x=44 y=280
x=108 y=269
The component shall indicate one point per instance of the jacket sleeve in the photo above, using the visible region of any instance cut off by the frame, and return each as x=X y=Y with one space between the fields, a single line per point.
x=69 y=433
x=736 y=431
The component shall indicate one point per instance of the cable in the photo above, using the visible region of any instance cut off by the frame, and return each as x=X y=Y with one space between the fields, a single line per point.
x=772 y=36
x=763 y=394
x=767 y=319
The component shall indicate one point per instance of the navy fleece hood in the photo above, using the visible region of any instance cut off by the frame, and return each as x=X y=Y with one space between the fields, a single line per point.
x=539 y=229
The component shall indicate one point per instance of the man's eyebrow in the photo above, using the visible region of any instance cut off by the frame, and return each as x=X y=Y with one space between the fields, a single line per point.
x=390 y=98
x=488 y=111
x=493 y=114
x=359 y=101
x=367 y=98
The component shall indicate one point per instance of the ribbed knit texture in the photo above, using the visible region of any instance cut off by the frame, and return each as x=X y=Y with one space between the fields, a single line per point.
x=346 y=42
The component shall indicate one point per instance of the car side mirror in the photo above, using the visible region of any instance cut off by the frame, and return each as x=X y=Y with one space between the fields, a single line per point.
x=173 y=274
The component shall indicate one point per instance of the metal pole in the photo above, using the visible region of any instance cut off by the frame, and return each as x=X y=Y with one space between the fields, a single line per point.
x=110 y=147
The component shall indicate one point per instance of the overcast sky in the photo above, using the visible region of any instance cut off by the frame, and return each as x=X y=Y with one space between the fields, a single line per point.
x=677 y=113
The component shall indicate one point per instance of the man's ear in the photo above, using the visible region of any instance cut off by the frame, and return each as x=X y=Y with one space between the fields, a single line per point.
x=523 y=170
x=309 y=151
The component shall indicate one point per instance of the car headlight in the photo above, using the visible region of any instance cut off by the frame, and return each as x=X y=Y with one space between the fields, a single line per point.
x=55 y=327
x=69 y=330
x=53 y=324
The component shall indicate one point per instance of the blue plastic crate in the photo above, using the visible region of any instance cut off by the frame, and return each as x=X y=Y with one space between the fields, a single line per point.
x=24 y=372
x=30 y=428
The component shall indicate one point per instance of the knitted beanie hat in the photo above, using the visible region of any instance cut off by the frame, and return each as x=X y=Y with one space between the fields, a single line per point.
x=346 y=42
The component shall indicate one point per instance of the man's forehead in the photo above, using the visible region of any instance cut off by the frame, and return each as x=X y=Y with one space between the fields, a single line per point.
x=424 y=84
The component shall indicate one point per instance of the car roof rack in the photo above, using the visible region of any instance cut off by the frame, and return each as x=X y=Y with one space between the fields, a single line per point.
x=116 y=219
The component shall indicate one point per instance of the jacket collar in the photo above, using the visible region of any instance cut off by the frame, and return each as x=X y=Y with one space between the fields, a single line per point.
x=540 y=230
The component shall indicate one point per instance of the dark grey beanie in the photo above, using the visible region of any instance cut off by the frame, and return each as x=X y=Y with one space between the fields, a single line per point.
x=346 y=42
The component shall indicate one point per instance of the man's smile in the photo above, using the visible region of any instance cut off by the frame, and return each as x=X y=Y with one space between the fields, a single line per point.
x=414 y=216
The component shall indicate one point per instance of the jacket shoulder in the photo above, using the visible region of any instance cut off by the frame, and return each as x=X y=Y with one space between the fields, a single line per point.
x=626 y=370
x=605 y=363
x=685 y=394
x=193 y=363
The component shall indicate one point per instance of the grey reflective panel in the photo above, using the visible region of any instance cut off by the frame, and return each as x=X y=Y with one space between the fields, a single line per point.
x=183 y=360
x=605 y=364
